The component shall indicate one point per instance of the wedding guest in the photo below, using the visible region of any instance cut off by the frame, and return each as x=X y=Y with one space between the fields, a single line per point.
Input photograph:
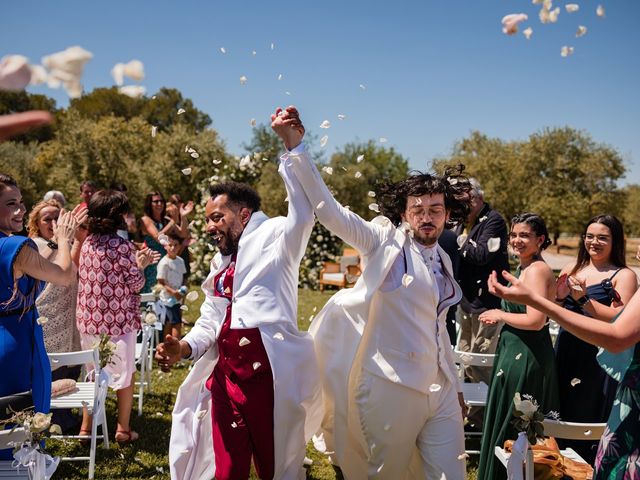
x=155 y=226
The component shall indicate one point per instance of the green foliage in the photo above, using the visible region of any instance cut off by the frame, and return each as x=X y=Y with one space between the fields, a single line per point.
x=630 y=217
x=560 y=173
x=18 y=160
x=22 y=101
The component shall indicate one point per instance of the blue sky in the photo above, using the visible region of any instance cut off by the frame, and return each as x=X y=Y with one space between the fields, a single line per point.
x=433 y=71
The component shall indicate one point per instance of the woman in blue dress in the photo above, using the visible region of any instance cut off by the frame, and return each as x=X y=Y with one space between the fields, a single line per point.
x=618 y=456
x=23 y=271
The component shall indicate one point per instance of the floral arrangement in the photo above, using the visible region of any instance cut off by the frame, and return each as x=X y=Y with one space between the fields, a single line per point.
x=527 y=417
x=29 y=453
x=106 y=349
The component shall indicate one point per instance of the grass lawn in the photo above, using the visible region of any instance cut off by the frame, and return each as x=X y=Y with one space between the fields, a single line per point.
x=148 y=457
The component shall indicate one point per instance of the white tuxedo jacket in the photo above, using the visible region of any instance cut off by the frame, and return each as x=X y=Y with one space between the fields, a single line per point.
x=265 y=292
x=348 y=332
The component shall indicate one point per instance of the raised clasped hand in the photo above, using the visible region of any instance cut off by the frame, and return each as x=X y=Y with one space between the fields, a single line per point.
x=288 y=126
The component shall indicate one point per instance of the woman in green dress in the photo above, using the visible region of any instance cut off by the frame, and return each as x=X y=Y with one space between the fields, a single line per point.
x=618 y=456
x=525 y=360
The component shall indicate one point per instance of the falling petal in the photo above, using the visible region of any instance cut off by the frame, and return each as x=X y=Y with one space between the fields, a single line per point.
x=324 y=140
x=307 y=461
x=510 y=22
x=216 y=161
x=184 y=308
x=371 y=193
x=363 y=87
x=572 y=7
x=279 y=76
x=482 y=219
x=341 y=116
x=461 y=239
x=406 y=278
x=154 y=131
x=42 y=320
x=575 y=381
x=278 y=336
x=383 y=140
x=587 y=433
x=600 y=11
x=493 y=244
x=358 y=174
x=327 y=170
x=434 y=387
x=253 y=52
x=582 y=30
x=234 y=425
x=566 y=51
x=463 y=456
x=256 y=365
x=553 y=15
x=244 y=341
x=227 y=290
x=192 y=296
x=163 y=239
x=181 y=111
x=158 y=414
x=252 y=122
x=374 y=207
x=223 y=50
x=287 y=93
x=519 y=356
x=273 y=46
x=184 y=452
x=195 y=155
x=320 y=205
x=186 y=171
x=243 y=80
x=360 y=158
x=379 y=469
x=527 y=32
x=479 y=291
x=500 y=372
x=325 y=124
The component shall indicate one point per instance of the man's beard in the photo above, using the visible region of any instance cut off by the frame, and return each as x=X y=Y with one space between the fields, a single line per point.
x=427 y=240
x=228 y=244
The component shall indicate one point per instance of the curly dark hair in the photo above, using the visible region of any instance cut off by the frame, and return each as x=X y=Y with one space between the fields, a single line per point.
x=456 y=188
x=239 y=194
x=536 y=223
x=106 y=209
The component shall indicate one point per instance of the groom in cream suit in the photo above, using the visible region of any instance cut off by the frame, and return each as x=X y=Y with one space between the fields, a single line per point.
x=254 y=390
x=393 y=406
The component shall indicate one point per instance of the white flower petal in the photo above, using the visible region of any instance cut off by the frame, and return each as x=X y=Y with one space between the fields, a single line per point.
x=600 y=11
x=383 y=140
x=500 y=372
x=154 y=131
x=279 y=76
x=582 y=30
x=273 y=45
x=587 y=433
x=184 y=308
x=493 y=244
x=324 y=140
x=358 y=174
x=223 y=50
x=519 y=356
x=287 y=93
x=186 y=171
x=325 y=124
x=434 y=387
x=181 y=111
x=572 y=7
x=527 y=32
x=42 y=320
x=510 y=22
x=234 y=425
x=256 y=365
x=195 y=155
x=341 y=116
x=252 y=122
x=371 y=193
x=359 y=158
x=575 y=381
x=374 y=207
x=243 y=80
x=566 y=51
x=320 y=205
x=463 y=456
x=192 y=296
x=244 y=341
x=278 y=336
x=362 y=86
x=253 y=52
x=406 y=280
x=482 y=219
x=461 y=239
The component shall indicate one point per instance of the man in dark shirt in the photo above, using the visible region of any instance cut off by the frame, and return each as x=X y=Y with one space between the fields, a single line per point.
x=478 y=258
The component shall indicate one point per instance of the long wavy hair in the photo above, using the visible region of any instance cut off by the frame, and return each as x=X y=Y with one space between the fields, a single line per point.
x=617 y=243
x=34 y=216
x=453 y=184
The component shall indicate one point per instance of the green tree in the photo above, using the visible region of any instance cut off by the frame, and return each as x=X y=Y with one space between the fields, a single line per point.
x=22 y=101
x=18 y=160
x=630 y=217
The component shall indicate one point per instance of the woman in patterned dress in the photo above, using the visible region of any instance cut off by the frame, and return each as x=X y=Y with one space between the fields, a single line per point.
x=618 y=456
x=110 y=277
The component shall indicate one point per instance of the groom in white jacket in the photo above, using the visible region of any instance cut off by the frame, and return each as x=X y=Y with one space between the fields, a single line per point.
x=393 y=403
x=254 y=391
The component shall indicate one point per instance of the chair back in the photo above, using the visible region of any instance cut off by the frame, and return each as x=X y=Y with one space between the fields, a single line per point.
x=82 y=357
x=10 y=437
x=474 y=359
x=573 y=430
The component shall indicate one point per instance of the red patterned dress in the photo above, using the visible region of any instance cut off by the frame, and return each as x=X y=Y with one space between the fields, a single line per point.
x=108 y=300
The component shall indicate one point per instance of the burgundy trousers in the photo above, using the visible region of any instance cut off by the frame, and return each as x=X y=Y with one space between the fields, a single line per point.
x=242 y=420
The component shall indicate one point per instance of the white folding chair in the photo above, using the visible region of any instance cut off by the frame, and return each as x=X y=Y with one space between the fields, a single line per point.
x=90 y=394
x=475 y=394
x=573 y=430
x=144 y=359
x=7 y=440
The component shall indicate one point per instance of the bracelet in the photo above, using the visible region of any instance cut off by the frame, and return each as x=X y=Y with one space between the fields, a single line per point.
x=52 y=245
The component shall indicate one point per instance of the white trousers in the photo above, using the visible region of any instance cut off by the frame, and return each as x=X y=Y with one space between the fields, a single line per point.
x=396 y=419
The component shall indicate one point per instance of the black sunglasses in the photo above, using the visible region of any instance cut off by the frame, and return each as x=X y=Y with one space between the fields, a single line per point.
x=607 y=286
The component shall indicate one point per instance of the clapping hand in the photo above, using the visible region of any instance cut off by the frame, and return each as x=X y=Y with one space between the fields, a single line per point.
x=146 y=256
x=186 y=209
x=288 y=126
x=516 y=292
x=168 y=353
x=68 y=222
